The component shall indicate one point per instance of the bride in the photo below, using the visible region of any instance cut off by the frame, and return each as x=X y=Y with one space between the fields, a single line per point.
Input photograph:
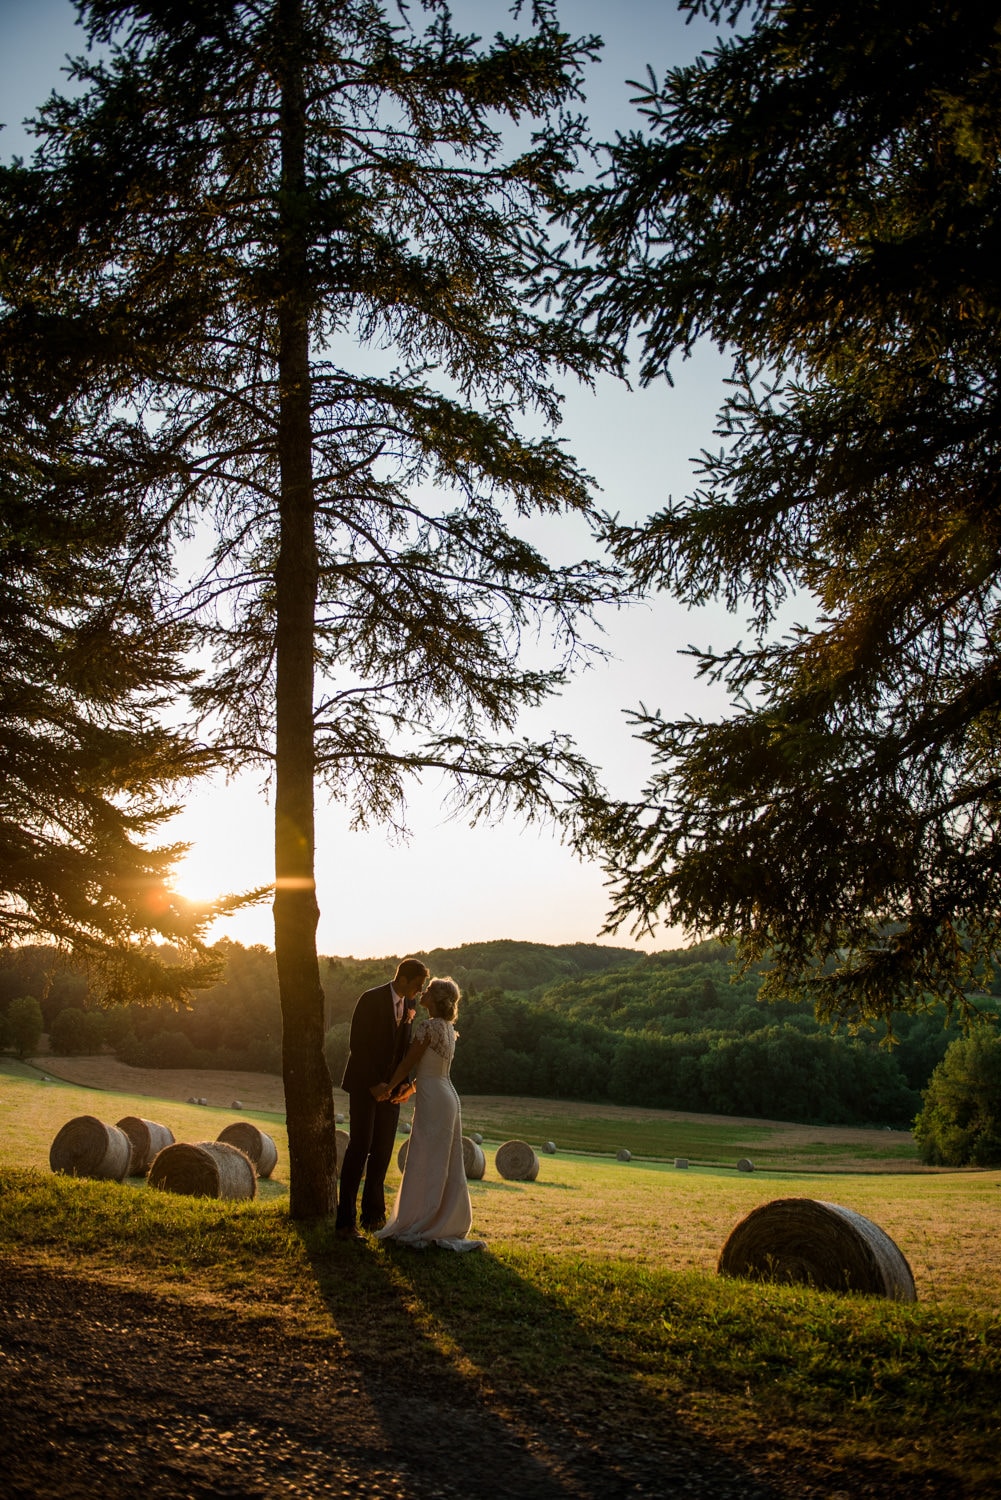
x=432 y=1206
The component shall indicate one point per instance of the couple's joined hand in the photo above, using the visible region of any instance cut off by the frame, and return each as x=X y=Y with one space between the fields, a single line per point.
x=381 y=1092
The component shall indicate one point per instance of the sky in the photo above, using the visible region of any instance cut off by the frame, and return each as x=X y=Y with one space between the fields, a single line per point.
x=451 y=884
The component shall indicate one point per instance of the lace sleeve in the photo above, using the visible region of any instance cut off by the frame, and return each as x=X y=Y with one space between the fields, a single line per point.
x=437 y=1033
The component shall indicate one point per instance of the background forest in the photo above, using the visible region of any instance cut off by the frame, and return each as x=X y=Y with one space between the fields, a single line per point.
x=671 y=1030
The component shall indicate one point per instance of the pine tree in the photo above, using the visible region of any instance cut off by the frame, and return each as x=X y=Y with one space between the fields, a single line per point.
x=86 y=770
x=293 y=266
x=821 y=196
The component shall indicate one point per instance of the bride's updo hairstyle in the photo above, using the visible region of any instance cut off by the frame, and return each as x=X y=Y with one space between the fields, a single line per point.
x=443 y=997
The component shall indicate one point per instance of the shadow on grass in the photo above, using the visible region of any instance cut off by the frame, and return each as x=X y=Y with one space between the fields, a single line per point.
x=486 y=1387
x=547 y=1185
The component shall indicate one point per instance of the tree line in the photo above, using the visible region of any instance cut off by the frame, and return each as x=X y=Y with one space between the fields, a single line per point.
x=671 y=1030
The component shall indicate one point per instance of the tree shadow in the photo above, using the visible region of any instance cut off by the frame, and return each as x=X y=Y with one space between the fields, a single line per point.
x=488 y=1185
x=483 y=1386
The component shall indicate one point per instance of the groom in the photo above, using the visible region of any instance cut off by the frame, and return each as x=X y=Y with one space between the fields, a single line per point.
x=380 y=1035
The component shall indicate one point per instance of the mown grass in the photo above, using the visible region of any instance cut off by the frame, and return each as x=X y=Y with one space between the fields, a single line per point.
x=642 y=1210
x=781 y=1373
x=598 y=1300
x=593 y=1129
x=659 y=1135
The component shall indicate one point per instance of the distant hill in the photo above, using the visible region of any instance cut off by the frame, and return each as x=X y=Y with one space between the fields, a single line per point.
x=504 y=964
x=679 y=1029
x=523 y=967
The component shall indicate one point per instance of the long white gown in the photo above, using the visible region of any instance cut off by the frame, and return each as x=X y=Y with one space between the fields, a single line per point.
x=432 y=1206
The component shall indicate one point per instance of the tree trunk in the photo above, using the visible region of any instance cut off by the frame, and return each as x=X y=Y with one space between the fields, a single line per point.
x=309 y=1101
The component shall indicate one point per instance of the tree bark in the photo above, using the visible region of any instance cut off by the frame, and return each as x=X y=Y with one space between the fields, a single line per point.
x=309 y=1101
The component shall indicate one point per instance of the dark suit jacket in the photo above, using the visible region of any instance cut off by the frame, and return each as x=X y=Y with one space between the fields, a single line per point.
x=376 y=1043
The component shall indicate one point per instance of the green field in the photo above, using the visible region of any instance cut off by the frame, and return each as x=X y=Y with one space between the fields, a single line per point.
x=600 y=1280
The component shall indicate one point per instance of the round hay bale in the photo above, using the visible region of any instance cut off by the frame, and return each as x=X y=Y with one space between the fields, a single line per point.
x=253 y=1142
x=192 y=1100
x=405 y=1127
x=473 y=1160
x=203 y=1101
x=146 y=1138
x=745 y=1165
x=476 y=1138
x=401 y=1155
x=86 y=1147
x=341 y=1139
x=681 y=1162
x=338 y=1119
x=549 y=1147
x=236 y=1104
x=818 y=1244
x=623 y=1155
x=517 y=1162
x=211 y=1169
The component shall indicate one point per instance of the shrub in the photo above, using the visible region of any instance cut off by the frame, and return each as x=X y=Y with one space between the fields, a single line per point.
x=75 y=1033
x=960 y=1123
x=171 y=1049
x=25 y=1024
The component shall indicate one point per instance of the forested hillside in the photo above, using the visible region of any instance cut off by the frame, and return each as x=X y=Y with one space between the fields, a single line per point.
x=672 y=1030
x=678 y=1030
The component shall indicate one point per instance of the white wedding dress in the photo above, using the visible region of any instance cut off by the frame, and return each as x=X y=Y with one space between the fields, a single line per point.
x=432 y=1206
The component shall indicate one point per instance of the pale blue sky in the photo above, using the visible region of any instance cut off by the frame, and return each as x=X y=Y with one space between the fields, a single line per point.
x=453 y=884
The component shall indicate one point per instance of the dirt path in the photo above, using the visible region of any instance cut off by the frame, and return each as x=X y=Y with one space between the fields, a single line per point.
x=113 y=1393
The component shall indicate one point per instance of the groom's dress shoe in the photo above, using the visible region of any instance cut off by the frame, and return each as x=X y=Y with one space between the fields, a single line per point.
x=373 y=1225
x=348 y=1232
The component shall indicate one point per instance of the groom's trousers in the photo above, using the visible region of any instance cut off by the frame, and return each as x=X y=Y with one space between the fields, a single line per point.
x=368 y=1154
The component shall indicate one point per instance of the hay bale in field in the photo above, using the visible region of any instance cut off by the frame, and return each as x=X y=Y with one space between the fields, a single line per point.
x=623 y=1155
x=203 y=1101
x=253 y=1142
x=405 y=1127
x=338 y=1119
x=473 y=1160
x=192 y=1100
x=146 y=1138
x=549 y=1147
x=236 y=1104
x=341 y=1139
x=477 y=1138
x=681 y=1162
x=819 y=1244
x=517 y=1162
x=210 y=1169
x=86 y=1147
x=745 y=1165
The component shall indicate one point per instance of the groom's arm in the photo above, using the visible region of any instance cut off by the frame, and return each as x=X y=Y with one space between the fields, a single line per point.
x=400 y=1077
x=406 y=1087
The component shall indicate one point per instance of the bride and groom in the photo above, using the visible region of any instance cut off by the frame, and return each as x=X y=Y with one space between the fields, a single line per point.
x=387 y=1048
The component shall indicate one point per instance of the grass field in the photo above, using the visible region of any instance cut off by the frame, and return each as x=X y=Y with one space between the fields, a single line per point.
x=584 y=1201
x=600 y=1278
x=655 y=1134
